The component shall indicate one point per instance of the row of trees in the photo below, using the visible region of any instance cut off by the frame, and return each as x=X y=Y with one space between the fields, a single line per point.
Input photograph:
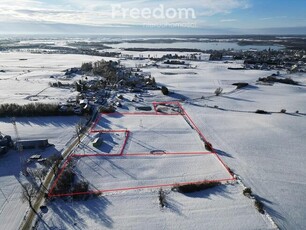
x=32 y=109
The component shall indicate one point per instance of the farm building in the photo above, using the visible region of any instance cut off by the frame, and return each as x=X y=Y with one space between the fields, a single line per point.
x=97 y=142
x=32 y=144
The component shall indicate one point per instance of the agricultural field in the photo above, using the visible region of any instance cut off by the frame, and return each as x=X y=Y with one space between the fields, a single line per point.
x=129 y=155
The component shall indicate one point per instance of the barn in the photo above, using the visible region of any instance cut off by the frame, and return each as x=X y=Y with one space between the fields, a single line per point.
x=32 y=144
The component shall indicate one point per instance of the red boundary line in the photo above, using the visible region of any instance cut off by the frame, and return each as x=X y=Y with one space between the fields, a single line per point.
x=166 y=153
x=127 y=133
x=213 y=150
x=50 y=194
x=205 y=140
x=140 y=154
x=139 y=187
x=92 y=130
x=59 y=175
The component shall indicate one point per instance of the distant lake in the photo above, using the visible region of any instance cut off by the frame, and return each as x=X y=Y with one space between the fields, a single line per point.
x=195 y=45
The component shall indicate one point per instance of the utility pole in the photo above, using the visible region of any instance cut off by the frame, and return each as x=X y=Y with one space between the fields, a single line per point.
x=18 y=145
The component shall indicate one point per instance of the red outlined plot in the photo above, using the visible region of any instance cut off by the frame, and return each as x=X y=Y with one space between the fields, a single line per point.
x=128 y=161
x=152 y=133
x=121 y=137
x=121 y=173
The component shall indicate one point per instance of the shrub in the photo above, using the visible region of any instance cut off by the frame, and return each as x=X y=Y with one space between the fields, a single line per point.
x=164 y=90
x=247 y=192
x=218 y=91
x=189 y=188
x=162 y=198
x=64 y=182
x=81 y=187
x=259 y=206
x=97 y=194
x=208 y=146
x=240 y=85
x=272 y=79
x=260 y=111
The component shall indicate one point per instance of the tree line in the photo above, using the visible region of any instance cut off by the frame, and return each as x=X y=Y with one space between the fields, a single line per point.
x=32 y=109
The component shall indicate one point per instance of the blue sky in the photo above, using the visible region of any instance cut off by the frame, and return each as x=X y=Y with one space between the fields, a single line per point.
x=137 y=16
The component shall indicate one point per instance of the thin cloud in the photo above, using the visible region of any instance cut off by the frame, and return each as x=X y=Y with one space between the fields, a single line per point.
x=212 y=7
x=97 y=12
x=228 y=20
x=272 y=18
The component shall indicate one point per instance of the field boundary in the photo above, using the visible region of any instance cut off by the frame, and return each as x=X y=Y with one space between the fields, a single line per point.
x=181 y=111
x=126 y=133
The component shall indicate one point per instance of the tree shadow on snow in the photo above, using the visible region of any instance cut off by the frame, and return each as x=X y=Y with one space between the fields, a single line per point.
x=65 y=214
x=250 y=87
x=263 y=199
x=177 y=96
x=96 y=209
x=174 y=206
x=219 y=190
x=57 y=121
x=75 y=213
x=222 y=153
x=273 y=213
x=236 y=98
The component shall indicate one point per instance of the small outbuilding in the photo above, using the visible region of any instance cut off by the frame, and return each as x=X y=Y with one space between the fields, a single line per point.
x=32 y=144
x=97 y=142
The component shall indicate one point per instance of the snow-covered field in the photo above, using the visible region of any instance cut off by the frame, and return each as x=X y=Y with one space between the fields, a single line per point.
x=222 y=208
x=27 y=76
x=139 y=166
x=126 y=172
x=203 y=80
x=265 y=151
x=169 y=133
x=58 y=130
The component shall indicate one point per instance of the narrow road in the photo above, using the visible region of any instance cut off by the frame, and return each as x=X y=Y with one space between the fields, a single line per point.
x=30 y=217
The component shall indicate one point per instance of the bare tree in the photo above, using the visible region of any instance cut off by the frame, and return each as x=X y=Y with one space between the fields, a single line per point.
x=39 y=174
x=162 y=198
x=218 y=91
x=29 y=193
x=78 y=129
